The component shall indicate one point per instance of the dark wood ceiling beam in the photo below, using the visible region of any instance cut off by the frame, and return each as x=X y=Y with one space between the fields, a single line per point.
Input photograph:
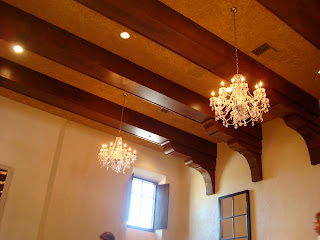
x=174 y=31
x=51 y=91
x=302 y=15
x=67 y=97
x=65 y=48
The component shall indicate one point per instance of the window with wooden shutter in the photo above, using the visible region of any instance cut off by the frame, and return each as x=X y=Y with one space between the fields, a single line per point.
x=5 y=174
x=148 y=205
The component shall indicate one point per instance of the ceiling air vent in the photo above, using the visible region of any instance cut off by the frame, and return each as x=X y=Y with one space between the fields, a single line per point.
x=262 y=49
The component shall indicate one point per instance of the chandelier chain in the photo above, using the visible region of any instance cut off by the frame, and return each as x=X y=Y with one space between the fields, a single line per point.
x=124 y=99
x=234 y=10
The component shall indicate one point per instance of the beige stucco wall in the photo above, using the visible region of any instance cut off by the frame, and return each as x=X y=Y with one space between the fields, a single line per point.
x=282 y=205
x=28 y=139
x=58 y=190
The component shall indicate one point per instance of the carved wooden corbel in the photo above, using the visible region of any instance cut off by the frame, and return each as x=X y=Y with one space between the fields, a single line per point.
x=253 y=156
x=307 y=126
x=203 y=163
x=208 y=174
x=310 y=133
x=247 y=145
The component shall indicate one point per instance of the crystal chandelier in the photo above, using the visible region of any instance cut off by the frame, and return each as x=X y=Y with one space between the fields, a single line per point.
x=117 y=156
x=235 y=105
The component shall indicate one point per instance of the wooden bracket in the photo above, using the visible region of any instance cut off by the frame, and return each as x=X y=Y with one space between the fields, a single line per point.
x=310 y=133
x=208 y=174
x=252 y=155
x=247 y=145
x=202 y=162
x=307 y=126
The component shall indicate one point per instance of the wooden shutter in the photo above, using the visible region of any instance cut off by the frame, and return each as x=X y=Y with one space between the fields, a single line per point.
x=3 y=175
x=161 y=208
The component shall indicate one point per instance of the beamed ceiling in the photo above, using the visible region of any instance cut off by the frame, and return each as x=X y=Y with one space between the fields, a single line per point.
x=76 y=65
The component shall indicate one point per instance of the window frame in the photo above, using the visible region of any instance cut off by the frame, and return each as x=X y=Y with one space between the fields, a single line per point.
x=154 y=205
x=5 y=188
x=247 y=214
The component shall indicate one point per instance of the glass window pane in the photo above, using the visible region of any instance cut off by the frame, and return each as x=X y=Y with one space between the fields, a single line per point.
x=226 y=207
x=146 y=212
x=134 y=210
x=148 y=189
x=240 y=204
x=240 y=226
x=226 y=228
x=136 y=185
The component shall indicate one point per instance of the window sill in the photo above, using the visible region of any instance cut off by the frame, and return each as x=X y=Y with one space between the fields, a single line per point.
x=140 y=228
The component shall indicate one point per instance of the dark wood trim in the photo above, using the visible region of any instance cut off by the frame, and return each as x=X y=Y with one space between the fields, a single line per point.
x=67 y=49
x=302 y=15
x=161 y=24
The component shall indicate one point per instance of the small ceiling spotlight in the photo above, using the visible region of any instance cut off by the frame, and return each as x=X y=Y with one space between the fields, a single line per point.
x=125 y=35
x=319 y=72
x=18 y=49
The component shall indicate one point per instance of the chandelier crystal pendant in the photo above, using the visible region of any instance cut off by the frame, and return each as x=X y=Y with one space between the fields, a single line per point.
x=116 y=155
x=235 y=105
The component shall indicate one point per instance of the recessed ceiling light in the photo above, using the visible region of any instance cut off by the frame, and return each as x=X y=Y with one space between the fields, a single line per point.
x=125 y=35
x=18 y=49
x=319 y=71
